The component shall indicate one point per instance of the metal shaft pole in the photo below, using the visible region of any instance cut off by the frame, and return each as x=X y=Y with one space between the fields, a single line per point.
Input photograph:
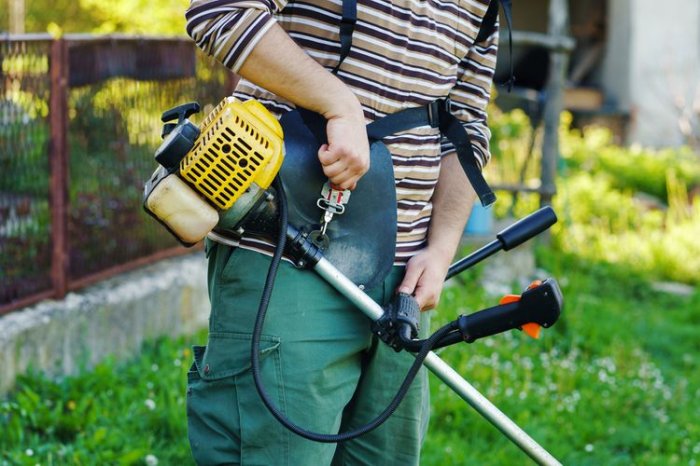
x=440 y=368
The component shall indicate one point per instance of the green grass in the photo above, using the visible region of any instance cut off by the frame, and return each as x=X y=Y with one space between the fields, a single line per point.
x=116 y=414
x=614 y=382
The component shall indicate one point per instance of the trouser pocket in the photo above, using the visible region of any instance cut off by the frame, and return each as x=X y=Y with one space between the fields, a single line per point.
x=227 y=422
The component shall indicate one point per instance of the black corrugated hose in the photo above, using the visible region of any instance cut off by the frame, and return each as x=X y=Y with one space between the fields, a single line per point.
x=255 y=348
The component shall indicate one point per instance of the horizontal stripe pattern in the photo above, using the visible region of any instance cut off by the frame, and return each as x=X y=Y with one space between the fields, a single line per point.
x=405 y=53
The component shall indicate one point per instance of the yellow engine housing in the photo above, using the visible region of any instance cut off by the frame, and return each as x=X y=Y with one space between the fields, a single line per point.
x=241 y=143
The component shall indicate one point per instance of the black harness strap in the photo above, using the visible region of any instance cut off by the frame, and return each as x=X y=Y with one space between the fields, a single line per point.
x=488 y=26
x=347 y=27
x=436 y=114
x=454 y=131
x=405 y=119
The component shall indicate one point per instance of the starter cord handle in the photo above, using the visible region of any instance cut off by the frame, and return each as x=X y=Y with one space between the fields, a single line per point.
x=181 y=112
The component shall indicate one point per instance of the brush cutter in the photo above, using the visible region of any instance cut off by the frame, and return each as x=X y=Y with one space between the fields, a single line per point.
x=220 y=180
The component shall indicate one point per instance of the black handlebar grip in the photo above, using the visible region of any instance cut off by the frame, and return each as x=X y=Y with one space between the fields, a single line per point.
x=540 y=305
x=407 y=315
x=526 y=228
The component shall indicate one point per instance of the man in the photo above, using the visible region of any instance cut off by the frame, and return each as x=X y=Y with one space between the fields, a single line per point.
x=321 y=363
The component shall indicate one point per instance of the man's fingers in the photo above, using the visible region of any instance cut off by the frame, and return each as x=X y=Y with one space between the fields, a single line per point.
x=410 y=280
x=423 y=281
x=326 y=156
x=424 y=295
x=343 y=170
x=340 y=178
x=333 y=170
x=426 y=298
x=345 y=182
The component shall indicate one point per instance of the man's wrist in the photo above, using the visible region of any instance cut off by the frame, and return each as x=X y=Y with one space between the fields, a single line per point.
x=443 y=253
x=343 y=104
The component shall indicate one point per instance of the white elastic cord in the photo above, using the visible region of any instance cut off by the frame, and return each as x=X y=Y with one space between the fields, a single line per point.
x=225 y=240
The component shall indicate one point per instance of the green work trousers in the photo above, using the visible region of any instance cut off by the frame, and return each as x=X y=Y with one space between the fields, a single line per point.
x=320 y=365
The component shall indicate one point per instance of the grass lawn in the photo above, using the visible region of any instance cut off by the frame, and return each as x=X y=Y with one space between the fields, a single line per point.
x=615 y=382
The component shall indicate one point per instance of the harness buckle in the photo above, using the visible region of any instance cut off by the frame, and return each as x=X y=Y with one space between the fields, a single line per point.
x=434 y=109
x=447 y=105
x=434 y=114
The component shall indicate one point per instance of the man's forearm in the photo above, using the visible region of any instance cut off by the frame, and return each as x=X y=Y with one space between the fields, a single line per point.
x=452 y=203
x=279 y=65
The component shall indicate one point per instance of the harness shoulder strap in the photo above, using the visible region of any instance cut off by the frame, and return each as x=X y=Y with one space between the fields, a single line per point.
x=347 y=27
x=453 y=130
x=488 y=26
x=437 y=114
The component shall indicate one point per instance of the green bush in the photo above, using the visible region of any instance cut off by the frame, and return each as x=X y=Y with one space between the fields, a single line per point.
x=617 y=205
x=636 y=169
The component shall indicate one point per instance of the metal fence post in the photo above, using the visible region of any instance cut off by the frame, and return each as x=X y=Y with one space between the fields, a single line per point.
x=47 y=263
x=58 y=161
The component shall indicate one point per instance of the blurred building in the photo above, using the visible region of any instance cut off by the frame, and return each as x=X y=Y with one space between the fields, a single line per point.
x=635 y=67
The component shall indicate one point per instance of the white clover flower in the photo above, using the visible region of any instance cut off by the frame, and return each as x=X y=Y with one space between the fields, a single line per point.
x=29 y=452
x=150 y=404
x=151 y=460
x=589 y=447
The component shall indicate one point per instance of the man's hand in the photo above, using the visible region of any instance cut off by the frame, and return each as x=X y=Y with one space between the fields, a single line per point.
x=346 y=156
x=425 y=276
x=280 y=66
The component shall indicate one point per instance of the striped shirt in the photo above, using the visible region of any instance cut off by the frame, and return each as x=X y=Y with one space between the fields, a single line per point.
x=405 y=53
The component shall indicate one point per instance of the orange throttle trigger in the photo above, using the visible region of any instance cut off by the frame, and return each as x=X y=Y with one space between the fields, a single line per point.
x=531 y=328
x=509 y=298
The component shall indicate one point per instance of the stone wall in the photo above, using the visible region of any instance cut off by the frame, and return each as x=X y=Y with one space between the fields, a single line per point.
x=110 y=319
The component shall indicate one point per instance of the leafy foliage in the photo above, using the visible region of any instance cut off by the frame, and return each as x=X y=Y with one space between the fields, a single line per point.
x=634 y=168
x=627 y=206
x=152 y=17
